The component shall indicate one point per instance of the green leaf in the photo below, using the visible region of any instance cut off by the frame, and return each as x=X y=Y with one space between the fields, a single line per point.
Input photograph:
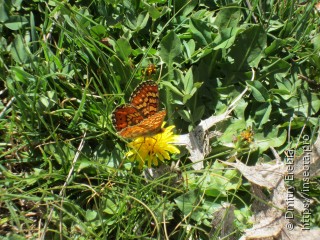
x=34 y=36
x=91 y=215
x=187 y=201
x=274 y=46
x=186 y=97
x=16 y=4
x=275 y=25
x=79 y=111
x=218 y=182
x=186 y=7
x=139 y=22
x=21 y=75
x=16 y=22
x=305 y=104
x=98 y=31
x=45 y=103
x=122 y=71
x=197 y=115
x=111 y=207
x=189 y=48
x=123 y=48
x=248 y=48
x=286 y=89
x=287 y=29
x=240 y=109
x=4 y=16
x=262 y=114
x=170 y=48
x=200 y=31
x=185 y=115
x=219 y=185
x=271 y=138
x=226 y=38
x=15 y=236
x=232 y=129
x=276 y=69
x=188 y=81
x=227 y=18
x=316 y=42
x=284 y=93
x=19 y=50
x=157 y=1
x=154 y=13
x=259 y=92
x=63 y=154
x=83 y=164
x=68 y=20
x=173 y=88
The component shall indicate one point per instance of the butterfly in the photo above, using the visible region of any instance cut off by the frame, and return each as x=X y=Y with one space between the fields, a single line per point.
x=141 y=117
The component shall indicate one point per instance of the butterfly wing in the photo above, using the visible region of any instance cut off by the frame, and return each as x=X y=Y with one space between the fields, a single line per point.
x=125 y=116
x=146 y=98
x=146 y=127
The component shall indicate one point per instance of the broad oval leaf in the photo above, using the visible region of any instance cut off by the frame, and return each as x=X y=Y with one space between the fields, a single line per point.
x=19 y=50
x=16 y=22
x=170 y=48
x=227 y=17
x=248 y=48
x=123 y=48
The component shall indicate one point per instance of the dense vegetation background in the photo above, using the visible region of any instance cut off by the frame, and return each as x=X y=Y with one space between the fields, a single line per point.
x=65 y=65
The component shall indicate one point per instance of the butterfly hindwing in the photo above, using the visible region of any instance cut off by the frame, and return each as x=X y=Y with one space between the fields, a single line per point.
x=147 y=127
x=125 y=116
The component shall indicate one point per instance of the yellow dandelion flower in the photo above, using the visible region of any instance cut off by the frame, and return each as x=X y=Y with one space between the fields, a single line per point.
x=150 y=149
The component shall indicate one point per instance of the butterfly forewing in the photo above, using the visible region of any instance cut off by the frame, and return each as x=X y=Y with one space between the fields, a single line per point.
x=146 y=98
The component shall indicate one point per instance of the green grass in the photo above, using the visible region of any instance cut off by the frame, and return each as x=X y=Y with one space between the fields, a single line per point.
x=63 y=170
